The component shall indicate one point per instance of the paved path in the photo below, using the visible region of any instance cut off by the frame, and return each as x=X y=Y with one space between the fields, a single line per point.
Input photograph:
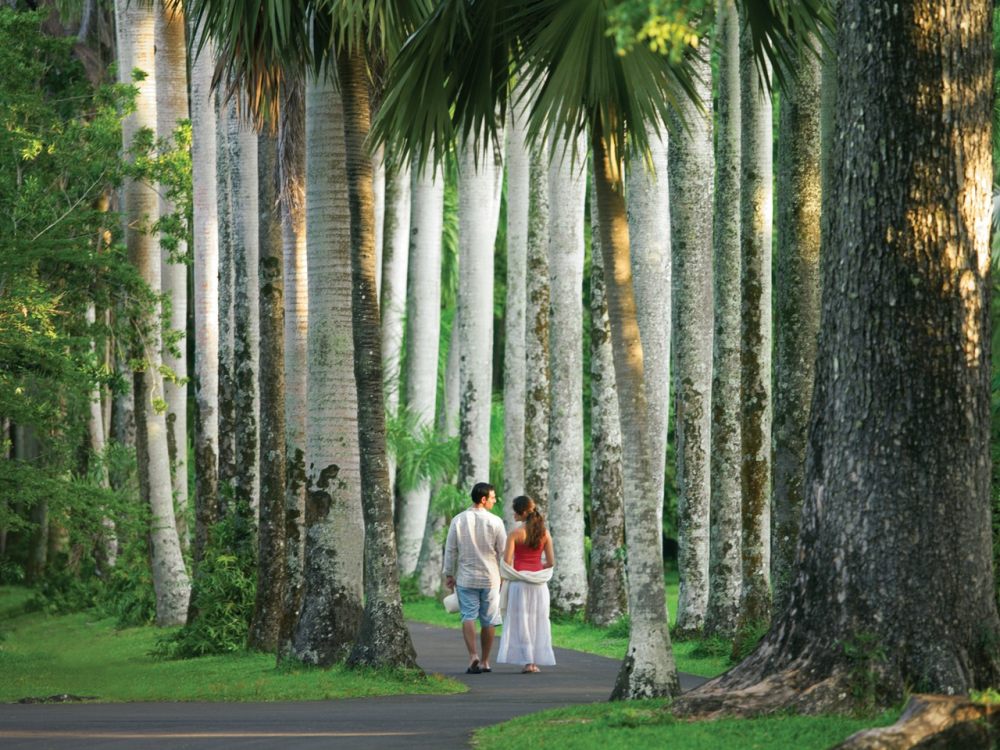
x=411 y=722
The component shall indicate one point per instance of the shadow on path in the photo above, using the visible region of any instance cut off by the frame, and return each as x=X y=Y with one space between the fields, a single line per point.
x=419 y=721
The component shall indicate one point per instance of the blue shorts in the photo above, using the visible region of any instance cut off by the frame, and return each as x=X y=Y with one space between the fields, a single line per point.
x=481 y=604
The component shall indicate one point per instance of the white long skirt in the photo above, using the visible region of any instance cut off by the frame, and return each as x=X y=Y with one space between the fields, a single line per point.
x=527 y=638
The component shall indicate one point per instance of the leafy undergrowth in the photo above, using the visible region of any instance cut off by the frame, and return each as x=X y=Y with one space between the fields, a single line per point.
x=625 y=726
x=83 y=655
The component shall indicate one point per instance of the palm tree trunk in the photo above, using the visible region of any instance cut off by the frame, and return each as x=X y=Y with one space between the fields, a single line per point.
x=378 y=187
x=567 y=195
x=170 y=581
x=423 y=331
x=692 y=170
x=332 y=576
x=755 y=353
x=796 y=310
x=292 y=163
x=171 y=108
x=536 y=332
x=479 y=205
x=518 y=176
x=383 y=640
x=648 y=198
x=648 y=669
x=607 y=598
x=206 y=296
x=227 y=289
x=725 y=566
x=270 y=595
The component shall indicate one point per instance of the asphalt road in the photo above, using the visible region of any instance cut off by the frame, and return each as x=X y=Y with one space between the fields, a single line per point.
x=420 y=721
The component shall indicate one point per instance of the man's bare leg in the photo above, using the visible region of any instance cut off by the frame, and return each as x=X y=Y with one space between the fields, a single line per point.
x=469 y=634
x=487 y=638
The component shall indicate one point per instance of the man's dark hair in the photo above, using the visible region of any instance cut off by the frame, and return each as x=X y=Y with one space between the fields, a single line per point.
x=481 y=491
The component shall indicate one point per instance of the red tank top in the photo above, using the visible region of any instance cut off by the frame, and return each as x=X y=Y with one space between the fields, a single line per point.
x=526 y=558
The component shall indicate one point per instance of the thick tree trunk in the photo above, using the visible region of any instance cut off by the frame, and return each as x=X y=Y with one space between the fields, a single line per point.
x=902 y=378
x=725 y=561
x=479 y=180
x=518 y=175
x=227 y=289
x=567 y=196
x=206 y=297
x=292 y=163
x=332 y=578
x=172 y=107
x=270 y=595
x=796 y=308
x=423 y=332
x=692 y=170
x=170 y=581
x=536 y=332
x=607 y=598
x=395 y=259
x=755 y=351
x=648 y=199
x=378 y=190
x=246 y=311
x=383 y=640
x=648 y=669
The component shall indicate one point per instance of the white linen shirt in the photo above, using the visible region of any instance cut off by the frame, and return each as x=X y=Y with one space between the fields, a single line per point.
x=475 y=546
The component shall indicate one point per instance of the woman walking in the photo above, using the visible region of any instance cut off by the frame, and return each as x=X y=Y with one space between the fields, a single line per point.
x=527 y=638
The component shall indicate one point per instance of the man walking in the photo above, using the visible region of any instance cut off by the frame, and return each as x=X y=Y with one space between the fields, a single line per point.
x=472 y=557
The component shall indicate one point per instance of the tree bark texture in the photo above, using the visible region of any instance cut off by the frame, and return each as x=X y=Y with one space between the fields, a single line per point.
x=692 y=171
x=206 y=296
x=333 y=570
x=395 y=259
x=607 y=599
x=894 y=549
x=567 y=196
x=423 y=332
x=755 y=352
x=172 y=107
x=518 y=175
x=378 y=189
x=226 y=288
x=479 y=180
x=796 y=309
x=246 y=311
x=648 y=668
x=270 y=596
x=383 y=640
x=648 y=201
x=170 y=580
x=292 y=163
x=536 y=332
x=725 y=558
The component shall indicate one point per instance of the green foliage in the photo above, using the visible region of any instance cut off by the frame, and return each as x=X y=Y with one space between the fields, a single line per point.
x=62 y=591
x=746 y=640
x=987 y=697
x=128 y=596
x=409 y=589
x=421 y=453
x=223 y=594
x=866 y=656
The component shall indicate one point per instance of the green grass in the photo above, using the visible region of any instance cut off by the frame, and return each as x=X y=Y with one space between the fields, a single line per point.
x=625 y=726
x=576 y=634
x=82 y=654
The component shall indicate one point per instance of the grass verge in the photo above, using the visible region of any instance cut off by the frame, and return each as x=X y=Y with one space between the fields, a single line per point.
x=625 y=726
x=83 y=655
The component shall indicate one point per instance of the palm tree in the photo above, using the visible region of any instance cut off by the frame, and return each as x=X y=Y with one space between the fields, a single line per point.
x=692 y=170
x=135 y=25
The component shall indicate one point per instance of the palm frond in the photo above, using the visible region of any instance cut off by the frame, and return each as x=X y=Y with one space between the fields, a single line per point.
x=782 y=30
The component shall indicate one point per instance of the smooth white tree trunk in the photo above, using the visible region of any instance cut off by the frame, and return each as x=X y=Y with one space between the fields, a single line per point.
x=648 y=199
x=171 y=108
x=135 y=24
x=518 y=175
x=478 y=214
x=692 y=171
x=206 y=295
x=95 y=429
x=227 y=290
x=567 y=195
x=423 y=330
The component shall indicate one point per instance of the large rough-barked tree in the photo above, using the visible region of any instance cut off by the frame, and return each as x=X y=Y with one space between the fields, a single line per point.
x=894 y=549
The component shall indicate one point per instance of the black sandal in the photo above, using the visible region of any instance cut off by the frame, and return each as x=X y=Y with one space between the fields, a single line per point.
x=474 y=667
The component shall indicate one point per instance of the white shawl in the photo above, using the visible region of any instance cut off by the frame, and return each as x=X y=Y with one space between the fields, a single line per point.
x=534 y=577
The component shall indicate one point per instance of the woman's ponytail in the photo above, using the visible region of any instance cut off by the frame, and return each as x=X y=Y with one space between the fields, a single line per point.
x=534 y=522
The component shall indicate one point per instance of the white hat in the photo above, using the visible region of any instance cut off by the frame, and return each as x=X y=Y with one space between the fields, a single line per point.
x=451 y=603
